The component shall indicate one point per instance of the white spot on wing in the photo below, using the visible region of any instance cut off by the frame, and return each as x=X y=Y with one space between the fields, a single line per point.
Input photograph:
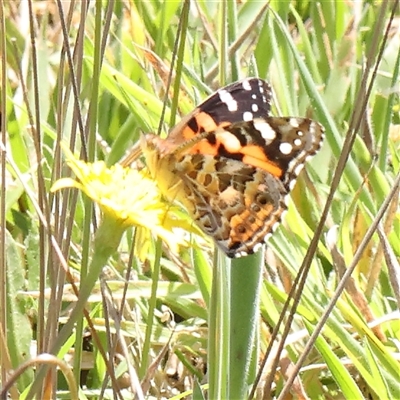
x=285 y=148
x=228 y=99
x=297 y=142
x=292 y=184
x=294 y=122
x=246 y=85
x=247 y=116
x=254 y=107
x=286 y=200
x=265 y=129
x=275 y=226
x=241 y=254
x=267 y=236
x=257 y=247
x=231 y=142
x=298 y=169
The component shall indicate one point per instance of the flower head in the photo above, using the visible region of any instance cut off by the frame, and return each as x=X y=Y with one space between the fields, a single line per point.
x=132 y=198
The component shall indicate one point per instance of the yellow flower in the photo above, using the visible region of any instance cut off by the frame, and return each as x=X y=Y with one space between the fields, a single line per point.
x=131 y=198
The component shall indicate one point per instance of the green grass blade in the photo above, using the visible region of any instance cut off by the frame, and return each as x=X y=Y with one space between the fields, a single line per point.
x=246 y=274
x=218 y=326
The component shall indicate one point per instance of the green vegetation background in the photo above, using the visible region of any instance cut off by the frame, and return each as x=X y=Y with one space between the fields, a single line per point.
x=95 y=76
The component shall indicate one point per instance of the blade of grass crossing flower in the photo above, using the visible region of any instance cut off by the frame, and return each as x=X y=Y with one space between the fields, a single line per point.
x=218 y=329
x=88 y=205
x=246 y=273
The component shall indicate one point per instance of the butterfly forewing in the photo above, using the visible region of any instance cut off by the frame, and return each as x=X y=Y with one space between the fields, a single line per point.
x=240 y=101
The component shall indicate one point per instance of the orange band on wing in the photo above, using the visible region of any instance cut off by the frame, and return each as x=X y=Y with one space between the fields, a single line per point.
x=252 y=155
x=255 y=156
x=265 y=165
x=204 y=147
x=204 y=121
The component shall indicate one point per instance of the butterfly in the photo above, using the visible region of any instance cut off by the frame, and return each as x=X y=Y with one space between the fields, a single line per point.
x=232 y=165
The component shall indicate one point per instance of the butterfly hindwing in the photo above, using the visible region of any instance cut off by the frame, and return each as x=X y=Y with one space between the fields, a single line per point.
x=238 y=197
